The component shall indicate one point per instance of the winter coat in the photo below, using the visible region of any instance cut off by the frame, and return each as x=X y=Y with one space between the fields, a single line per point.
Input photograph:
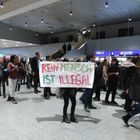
x=134 y=87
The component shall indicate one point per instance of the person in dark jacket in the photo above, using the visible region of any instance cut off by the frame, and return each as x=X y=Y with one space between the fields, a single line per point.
x=64 y=47
x=97 y=81
x=35 y=71
x=134 y=93
x=3 y=75
x=113 y=72
x=47 y=90
x=86 y=97
x=127 y=76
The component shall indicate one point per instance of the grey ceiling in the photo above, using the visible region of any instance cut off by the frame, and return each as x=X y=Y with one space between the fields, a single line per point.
x=57 y=16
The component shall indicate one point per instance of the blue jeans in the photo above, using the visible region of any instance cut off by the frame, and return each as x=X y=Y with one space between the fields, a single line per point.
x=135 y=111
x=86 y=97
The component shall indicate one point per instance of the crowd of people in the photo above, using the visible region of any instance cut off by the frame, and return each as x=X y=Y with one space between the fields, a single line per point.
x=108 y=77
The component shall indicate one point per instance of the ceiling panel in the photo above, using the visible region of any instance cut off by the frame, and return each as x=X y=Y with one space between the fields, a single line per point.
x=56 y=15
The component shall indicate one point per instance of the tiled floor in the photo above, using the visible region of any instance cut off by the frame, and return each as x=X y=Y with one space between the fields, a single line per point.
x=35 y=118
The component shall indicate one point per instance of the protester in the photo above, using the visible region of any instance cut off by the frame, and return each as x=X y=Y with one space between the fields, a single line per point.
x=35 y=71
x=134 y=93
x=113 y=73
x=69 y=93
x=13 y=76
x=86 y=97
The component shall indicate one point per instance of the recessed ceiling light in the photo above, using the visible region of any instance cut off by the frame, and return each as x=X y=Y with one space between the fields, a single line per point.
x=130 y=19
x=30 y=44
x=71 y=8
x=106 y=4
x=1 y=5
x=89 y=30
x=17 y=45
x=83 y=32
x=70 y=13
x=94 y=24
x=10 y=28
x=26 y=24
x=42 y=20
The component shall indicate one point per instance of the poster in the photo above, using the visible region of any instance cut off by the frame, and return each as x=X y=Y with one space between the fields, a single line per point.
x=66 y=74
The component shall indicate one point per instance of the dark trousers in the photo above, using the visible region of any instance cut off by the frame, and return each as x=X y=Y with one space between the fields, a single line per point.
x=97 y=92
x=47 y=92
x=66 y=96
x=18 y=84
x=2 y=83
x=28 y=83
x=111 y=89
x=23 y=76
x=135 y=111
x=36 y=82
x=128 y=103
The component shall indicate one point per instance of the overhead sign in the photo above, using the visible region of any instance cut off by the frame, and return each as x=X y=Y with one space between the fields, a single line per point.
x=117 y=53
x=124 y=52
x=66 y=74
x=102 y=53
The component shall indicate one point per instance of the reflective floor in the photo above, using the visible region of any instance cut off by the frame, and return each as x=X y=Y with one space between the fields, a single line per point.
x=35 y=118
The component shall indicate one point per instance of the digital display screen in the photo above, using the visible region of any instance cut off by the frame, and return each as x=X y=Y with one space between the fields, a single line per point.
x=117 y=53
x=125 y=53
x=102 y=53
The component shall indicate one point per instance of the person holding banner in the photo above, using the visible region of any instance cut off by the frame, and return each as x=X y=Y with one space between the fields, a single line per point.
x=47 y=90
x=68 y=76
x=69 y=93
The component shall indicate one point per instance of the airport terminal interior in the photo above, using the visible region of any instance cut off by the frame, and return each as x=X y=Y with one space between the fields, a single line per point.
x=69 y=70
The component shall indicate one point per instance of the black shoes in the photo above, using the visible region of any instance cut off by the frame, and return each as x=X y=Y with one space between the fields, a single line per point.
x=115 y=103
x=86 y=109
x=92 y=107
x=48 y=97
x=125 y=119
x=51 y=94
x=66 y=120
x=9 y=98
x=37 y=91
x=96 y=99
x=13 y=100
x=74 y=120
